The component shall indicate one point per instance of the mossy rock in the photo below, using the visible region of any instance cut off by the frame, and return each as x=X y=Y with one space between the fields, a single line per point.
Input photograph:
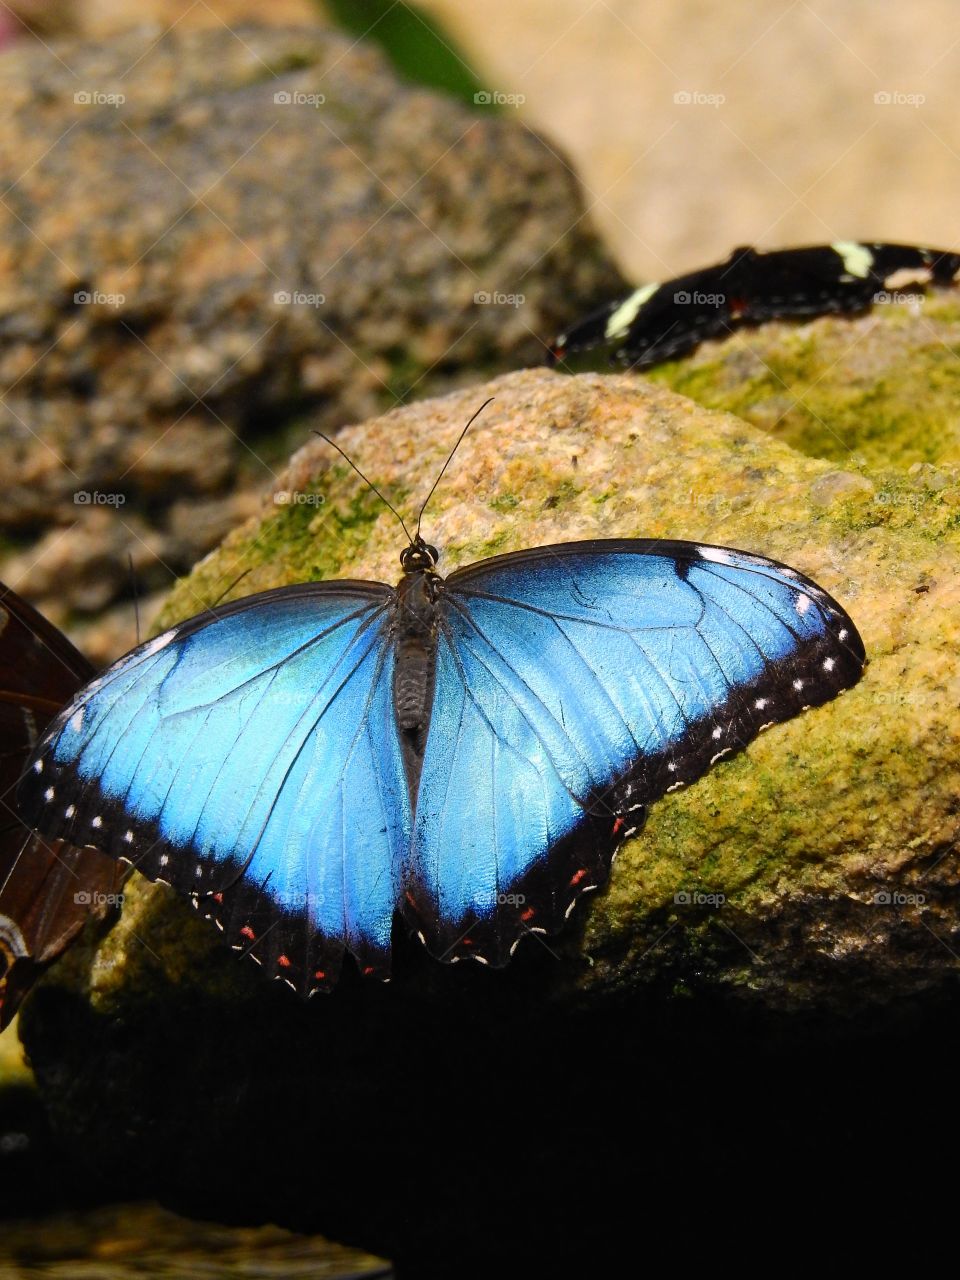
x=880 y=389
x=812 y=876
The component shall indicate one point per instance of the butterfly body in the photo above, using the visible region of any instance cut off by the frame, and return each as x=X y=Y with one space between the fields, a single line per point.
x=466 y=753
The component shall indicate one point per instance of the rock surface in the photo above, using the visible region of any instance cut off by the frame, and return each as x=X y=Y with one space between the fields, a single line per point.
x=879 y=389
x=207 y=234
x=811 y=878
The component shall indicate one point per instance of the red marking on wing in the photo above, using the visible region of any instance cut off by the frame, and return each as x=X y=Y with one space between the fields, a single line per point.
x=528 y=914
x=218 y=897
x=283 y=962
x=247 y=932
x=578 y=875
x=368 y=970
x=617 y=828
x=320 y=975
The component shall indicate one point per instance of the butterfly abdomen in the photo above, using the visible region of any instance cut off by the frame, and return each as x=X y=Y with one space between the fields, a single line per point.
x=415 y=664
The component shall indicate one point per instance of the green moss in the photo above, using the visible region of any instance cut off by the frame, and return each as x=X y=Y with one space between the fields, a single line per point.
x=561 y=495
x=506 y=502
x=882 y=388
x=299 y=541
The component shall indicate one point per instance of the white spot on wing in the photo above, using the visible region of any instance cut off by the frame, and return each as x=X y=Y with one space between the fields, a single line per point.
x=97 y=822
x=904 y=276
x=719 y=555
x=620 y=321
x=38 y=764
x=803 y=604
x=155 y=646
x=49 y=794
x=857 y=258
x=76 y=720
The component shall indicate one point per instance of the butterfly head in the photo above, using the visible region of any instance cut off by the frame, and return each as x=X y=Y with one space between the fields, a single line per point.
x=419 y=556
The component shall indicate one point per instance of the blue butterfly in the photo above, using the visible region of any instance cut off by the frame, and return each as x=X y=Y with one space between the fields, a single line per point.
x=468 y=752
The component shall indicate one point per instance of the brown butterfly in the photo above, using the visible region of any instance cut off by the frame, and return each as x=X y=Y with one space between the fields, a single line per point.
x=48 y=889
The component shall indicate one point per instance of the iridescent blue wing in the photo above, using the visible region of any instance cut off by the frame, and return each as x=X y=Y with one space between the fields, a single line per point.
x=575 y=684
x=249 y=757
x=47 y=889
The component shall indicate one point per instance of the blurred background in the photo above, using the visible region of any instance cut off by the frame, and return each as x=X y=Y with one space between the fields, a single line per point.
x=694 y=127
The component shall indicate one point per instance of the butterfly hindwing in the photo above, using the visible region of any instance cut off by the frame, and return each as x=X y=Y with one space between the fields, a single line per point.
x=576 y=684
x=250 y=758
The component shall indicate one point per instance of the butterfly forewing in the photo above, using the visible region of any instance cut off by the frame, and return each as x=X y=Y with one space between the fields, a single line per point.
x=250 y=758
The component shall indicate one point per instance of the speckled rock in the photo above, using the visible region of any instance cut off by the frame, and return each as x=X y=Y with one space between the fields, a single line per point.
x=208 y=234
x=815 y=875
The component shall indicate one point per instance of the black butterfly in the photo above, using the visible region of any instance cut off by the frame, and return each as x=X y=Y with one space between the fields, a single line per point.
x=48 y=888
x=660 y=321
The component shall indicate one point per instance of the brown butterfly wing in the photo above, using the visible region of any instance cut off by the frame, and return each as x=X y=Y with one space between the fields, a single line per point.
x=48 y=889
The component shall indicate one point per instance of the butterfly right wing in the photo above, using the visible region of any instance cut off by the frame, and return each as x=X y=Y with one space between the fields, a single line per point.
x=249 y=757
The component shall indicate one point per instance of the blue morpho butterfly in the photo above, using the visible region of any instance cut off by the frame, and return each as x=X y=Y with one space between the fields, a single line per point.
x=467 y=751
x=48 y=889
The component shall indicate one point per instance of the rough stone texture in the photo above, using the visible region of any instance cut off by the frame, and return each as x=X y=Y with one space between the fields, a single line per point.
x=879 y=389
x=49 y=18
x=185 y=212
x=832 y=844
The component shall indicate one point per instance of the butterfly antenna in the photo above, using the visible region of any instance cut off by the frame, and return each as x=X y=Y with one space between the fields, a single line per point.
x=226 y=591
x=450 y=459
x=389 y=505
x=136 y=597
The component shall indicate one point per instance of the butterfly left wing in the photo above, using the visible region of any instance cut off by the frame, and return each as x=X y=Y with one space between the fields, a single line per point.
x=249 y=757
x=574 y=685
x=47 y=889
